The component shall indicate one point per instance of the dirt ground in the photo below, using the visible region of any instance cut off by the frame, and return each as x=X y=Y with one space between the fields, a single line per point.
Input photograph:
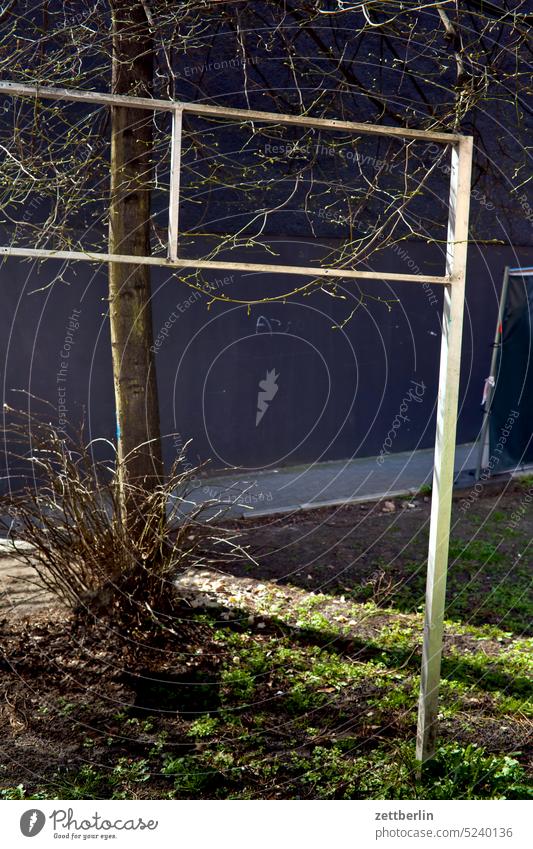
x=297 y=673
x=378 y=551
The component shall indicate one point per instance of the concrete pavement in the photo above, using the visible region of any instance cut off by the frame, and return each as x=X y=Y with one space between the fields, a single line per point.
x=303 y=487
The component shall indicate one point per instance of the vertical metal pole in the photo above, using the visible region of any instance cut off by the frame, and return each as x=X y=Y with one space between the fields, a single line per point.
x=448 y=395
x=492 y=373
x=174 y=194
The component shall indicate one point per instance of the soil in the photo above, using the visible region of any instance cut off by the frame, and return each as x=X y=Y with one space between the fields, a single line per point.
x=74 y=697
x=379 y=550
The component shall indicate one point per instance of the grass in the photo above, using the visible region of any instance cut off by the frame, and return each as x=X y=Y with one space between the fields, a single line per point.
x=285 y=693
x=293 y=718
x=503 y=598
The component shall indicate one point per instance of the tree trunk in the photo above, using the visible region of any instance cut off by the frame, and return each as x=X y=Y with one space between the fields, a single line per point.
x=137 y=408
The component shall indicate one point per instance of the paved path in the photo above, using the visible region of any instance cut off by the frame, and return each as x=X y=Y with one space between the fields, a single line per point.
x=302 y=487
x=284 y=490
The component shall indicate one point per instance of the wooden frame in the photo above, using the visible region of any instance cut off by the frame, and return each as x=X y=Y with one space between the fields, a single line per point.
x=452 y=323
x=177 y=108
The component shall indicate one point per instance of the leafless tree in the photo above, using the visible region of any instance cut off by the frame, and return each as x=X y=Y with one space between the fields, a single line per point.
x=434 y=65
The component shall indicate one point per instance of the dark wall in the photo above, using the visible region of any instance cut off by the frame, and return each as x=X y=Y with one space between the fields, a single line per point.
x=339 y=389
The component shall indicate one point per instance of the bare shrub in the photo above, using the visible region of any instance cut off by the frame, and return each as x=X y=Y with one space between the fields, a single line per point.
x=67 y=511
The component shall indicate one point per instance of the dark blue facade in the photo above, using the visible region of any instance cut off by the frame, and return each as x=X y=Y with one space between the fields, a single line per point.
x=333 y=385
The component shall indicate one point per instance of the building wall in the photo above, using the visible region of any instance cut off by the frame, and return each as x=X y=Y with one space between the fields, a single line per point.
x=330 y=392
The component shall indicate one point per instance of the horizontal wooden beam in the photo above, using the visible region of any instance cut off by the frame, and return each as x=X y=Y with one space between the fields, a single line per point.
x=220 y=265
x=206 y=109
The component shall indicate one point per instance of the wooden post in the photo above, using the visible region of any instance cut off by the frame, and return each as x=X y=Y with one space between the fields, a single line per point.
x=174 y=195
x=441 y=503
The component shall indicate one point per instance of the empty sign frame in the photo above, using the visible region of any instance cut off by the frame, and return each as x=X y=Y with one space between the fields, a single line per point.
x=453 y=282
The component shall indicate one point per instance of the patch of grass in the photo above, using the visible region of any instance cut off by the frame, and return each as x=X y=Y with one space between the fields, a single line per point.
x=504 y=705
x=85 y=783
x=506 y=601
x=238 y=684
x=459 y=772
x=189 y=775
x=339 y=771
x=129 y=771
x=342 y=771
x=204 y=726
x=400 y=635
x=508 y=671
x=328 y=773
x=313 y=619
x=476 y=549
x=510 y=600
x=399 y=697
x=18 y=792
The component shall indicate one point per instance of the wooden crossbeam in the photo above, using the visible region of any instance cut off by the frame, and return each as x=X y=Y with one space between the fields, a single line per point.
x=209 y=110
x=222 y=265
